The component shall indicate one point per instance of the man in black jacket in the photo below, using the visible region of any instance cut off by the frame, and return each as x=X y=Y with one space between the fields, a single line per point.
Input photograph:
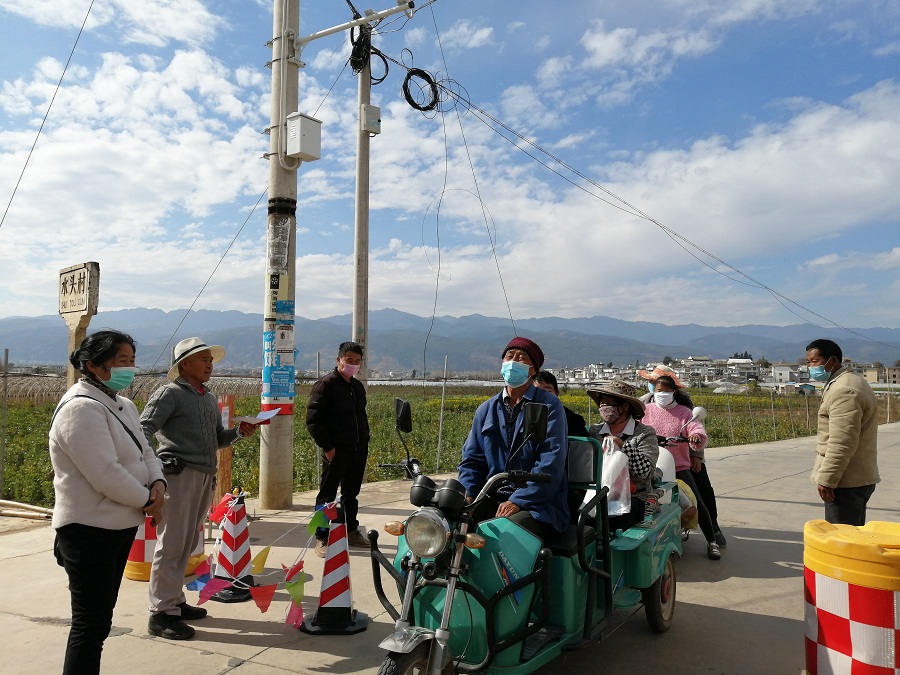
x=336 y=419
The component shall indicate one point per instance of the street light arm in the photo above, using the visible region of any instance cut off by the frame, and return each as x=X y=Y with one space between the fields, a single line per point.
x=407 y=6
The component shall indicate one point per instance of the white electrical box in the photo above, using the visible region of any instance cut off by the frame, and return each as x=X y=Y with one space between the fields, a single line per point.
x=304 y=137
x=370 y=118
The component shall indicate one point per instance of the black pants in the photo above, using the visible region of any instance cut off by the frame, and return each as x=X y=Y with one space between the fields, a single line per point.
x=707 y=494
x=346 y=471
x=707 y=525
x=849 y=505
x=94 y=559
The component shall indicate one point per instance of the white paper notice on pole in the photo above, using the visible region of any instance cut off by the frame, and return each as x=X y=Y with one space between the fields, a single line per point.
x=259 y=419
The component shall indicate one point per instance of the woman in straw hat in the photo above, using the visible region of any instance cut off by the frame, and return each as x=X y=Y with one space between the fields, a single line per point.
x=620 y=409
x=670 y=418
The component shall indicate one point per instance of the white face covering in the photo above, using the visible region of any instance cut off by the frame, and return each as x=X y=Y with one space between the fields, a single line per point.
x=664 y=398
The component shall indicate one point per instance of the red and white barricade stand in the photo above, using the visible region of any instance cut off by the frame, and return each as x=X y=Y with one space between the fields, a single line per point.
x=140 y=558
x=852 y=598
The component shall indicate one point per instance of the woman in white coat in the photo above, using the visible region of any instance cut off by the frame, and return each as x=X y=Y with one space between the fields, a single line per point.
x=106 y=477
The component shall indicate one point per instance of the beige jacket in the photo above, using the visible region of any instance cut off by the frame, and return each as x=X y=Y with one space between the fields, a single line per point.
x=846 y=450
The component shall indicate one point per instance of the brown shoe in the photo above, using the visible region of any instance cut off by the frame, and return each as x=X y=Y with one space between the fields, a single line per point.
x=357 y=540
x=321 y=548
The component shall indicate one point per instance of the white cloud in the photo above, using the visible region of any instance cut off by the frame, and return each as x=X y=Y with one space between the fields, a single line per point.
x=465 y=34
x=626 y=58
x=151 y=23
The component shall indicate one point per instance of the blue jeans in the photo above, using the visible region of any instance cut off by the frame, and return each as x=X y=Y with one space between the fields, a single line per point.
x=94 y=558
x=849 y=505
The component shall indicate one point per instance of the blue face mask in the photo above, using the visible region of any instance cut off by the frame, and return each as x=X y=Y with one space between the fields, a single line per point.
x=515 y=374
x=120 y=378
x=818 y=373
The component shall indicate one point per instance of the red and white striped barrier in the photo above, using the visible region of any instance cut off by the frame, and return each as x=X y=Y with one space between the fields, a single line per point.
x=335 y=615
x=233 y=561
x=850 y=629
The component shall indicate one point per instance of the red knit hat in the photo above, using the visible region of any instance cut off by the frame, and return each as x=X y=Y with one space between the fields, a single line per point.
x=529 y=347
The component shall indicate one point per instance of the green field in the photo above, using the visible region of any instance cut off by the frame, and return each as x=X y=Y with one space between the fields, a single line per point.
x=734 y=419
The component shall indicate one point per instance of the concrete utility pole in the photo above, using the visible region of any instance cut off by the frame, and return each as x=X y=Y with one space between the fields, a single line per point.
x=361 y=243
x=276 y=457
x=276 y=462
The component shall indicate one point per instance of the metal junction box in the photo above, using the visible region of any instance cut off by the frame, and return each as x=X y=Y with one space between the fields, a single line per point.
x=304 y=137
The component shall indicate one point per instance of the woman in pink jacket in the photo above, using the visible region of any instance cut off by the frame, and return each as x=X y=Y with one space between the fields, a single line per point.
x=673 y=419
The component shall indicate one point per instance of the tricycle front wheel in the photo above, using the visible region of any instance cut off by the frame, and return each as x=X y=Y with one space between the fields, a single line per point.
x=659 y=599
x=413 y=663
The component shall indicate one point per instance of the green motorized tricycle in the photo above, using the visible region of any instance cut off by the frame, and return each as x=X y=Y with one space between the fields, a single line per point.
x=498 y=599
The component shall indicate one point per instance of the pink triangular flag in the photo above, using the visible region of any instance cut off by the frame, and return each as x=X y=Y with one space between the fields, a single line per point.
x=212 y=587
x=295 y=615
x=262 y=596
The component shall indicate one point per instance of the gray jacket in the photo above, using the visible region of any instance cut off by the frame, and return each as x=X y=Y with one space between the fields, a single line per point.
x=186 y=423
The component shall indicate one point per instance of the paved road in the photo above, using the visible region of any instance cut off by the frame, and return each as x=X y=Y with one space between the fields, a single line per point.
x=741 y=615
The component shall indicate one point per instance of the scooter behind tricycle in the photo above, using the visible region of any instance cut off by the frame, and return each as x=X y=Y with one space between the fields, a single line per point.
x=499 y=600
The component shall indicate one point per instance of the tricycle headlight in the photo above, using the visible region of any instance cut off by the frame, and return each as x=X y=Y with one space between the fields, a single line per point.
x=427 y=532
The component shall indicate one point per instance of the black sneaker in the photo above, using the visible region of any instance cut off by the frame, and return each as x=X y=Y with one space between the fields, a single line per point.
x=191 y=613
x=169 y=627
x=720 y=539
x=712 y=551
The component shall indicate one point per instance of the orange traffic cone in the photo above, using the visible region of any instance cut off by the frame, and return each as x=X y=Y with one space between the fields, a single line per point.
x=140 y=558
x=335 y=615
x=233 y=561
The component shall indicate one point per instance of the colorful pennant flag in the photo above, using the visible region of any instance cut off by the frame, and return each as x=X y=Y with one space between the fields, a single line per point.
x=212 y=587
x=330 y=511
x=317 y=521
x=292 y=572
x=200 y=582
x=262 y=596
x=295 y=588
x=259 y=562
x=295 y=615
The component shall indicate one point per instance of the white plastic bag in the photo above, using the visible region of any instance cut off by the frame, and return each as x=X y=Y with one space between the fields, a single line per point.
x=615 y=477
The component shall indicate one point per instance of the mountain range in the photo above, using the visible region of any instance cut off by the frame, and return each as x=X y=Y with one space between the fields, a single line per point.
x=402 y=342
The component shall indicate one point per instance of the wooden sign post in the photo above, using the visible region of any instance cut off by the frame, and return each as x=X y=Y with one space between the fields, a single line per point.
x=79 y=292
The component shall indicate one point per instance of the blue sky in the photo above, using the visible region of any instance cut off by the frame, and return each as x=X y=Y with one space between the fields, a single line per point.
x=763 y=132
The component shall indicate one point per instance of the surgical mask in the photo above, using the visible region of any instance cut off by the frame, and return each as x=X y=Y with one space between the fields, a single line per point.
x=664 y=398
x=350 y=369
x=609 y=413
x=120 y=377
x=515 y=374
x=818 y=373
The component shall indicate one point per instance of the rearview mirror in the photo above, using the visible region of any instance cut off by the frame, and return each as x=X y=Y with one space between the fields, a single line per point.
x=699 y=413
x=403 y=415
x=536 y=422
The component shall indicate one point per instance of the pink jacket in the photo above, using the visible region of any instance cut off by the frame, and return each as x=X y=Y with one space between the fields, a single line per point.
x=668 y=422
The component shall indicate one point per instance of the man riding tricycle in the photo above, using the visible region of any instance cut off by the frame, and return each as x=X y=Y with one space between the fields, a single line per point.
x=499 y=594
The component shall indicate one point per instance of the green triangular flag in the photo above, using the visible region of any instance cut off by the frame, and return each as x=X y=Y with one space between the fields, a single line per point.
x=318 y=520
x=295 y=588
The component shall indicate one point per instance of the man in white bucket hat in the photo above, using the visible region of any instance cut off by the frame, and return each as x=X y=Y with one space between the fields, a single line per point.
x=183 y=415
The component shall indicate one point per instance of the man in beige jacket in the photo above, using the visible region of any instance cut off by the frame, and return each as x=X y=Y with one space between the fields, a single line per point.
x=846 y=466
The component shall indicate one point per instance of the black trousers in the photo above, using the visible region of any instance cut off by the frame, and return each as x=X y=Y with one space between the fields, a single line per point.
x=707 y=525
x=346 y=471
x=849 y=505
x=94 y=559
x=707 y=494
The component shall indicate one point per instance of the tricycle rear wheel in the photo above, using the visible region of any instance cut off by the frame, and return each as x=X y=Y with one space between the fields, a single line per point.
x=413 y=663
x=659 y=599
